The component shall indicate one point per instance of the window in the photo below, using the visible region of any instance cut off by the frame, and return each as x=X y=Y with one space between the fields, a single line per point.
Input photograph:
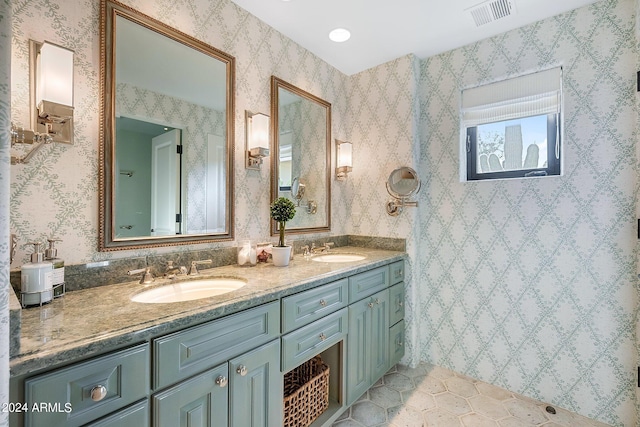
x=512 y=128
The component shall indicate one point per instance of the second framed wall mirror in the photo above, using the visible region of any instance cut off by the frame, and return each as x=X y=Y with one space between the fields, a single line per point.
x=301 y=155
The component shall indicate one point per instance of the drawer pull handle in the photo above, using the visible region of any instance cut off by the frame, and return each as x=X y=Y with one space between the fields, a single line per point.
x=323 y=303
x=242 y=370
x=98 y=393
x=222 y=381
x=370 y=305
x=399 y=273
x=322 y=336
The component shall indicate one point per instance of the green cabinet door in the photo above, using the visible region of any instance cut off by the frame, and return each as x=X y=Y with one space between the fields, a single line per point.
x=201 y=401
x=134 y=416
x=367 y=343
x=396 y=343
x=256 y=388
x=379 y=335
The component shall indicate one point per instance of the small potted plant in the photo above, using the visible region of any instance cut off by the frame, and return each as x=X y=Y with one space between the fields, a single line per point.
x=282 y=210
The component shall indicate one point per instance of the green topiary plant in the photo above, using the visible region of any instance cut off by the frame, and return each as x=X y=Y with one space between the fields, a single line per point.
x=282 y=210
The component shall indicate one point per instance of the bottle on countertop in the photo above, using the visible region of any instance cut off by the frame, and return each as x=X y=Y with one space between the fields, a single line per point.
x=36 y=279
x=51 y=255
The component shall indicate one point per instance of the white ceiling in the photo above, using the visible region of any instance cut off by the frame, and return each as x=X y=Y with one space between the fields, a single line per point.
x=152 y=61
x=383 y=30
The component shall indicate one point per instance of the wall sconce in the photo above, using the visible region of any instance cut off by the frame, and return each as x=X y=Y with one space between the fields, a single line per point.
x=257 y=139
x=51 y=99
x=344 y=159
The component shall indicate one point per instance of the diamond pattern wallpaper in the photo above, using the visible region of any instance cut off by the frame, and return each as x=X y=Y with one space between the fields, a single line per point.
x=531 y=284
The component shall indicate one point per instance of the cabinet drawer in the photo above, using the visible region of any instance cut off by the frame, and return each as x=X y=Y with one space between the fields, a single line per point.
x=133 y=416
x=123 y=374
x=364 y=284
x=308 y=306
x=396 y=305
x=397 y=272
x=308 y=341
x=185 y=353
x=396 y=342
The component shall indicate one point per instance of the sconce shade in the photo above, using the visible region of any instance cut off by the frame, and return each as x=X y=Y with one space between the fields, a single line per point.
x=257 y=139
x=344 y=159
x=54 y=78
x=259 y=131
x=345 y=154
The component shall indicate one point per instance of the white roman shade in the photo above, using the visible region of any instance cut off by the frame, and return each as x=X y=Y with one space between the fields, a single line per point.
x=530 y=95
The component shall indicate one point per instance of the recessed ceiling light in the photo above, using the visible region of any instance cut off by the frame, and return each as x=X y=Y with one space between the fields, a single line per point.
x=340 y=35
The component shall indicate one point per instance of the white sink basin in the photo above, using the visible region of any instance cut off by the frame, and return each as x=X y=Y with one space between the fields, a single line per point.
x=338 y=258
x=188 y=290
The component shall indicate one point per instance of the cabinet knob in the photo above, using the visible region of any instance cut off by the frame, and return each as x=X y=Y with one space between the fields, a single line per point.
x=370 y=305
x=322 y=336
x=98 y=393
x=222 y=381
x=400 y=303
x=323 y=303
x=377 y=301
x=242 y=370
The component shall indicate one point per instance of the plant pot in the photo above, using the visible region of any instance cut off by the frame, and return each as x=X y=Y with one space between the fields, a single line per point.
x=281 y=255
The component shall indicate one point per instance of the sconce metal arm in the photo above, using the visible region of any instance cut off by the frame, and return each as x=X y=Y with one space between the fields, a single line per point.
x=25 y=136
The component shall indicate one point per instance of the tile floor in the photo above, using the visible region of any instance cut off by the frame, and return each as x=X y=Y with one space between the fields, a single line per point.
x=431 y=396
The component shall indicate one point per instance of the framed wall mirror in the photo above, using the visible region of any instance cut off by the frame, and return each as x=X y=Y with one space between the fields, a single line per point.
x=167 y=132
x=301 y=156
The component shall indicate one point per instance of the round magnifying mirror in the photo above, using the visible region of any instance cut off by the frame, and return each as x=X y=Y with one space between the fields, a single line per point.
x=403 y=183
x=297 y=189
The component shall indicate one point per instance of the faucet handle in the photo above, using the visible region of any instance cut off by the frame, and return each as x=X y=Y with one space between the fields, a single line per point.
x=328 y=245
x=193 y=270
x=146 y=278
x=305 y=250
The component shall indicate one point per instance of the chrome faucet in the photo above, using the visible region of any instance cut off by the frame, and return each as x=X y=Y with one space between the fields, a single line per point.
x=305 y=250
x=193 y=270
x=146 y=278
x=321 y=249
x=172 y=271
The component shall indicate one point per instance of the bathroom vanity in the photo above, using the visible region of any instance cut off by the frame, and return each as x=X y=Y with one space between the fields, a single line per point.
x=96 y=358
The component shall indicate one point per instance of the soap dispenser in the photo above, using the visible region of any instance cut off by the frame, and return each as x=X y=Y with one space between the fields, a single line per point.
x=36 y=279
x=51 y=255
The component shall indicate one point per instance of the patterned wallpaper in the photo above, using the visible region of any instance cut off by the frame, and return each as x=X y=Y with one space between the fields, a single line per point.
x=306 y=122
x=382 y=125
x=531 y=284
x=196 y=122
x=5 y=123
x=57 y=192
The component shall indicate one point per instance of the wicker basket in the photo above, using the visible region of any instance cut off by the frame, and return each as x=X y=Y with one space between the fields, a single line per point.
x=306 y=393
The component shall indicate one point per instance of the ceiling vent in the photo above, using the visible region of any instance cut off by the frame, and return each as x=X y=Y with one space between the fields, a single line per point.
x=490 y=11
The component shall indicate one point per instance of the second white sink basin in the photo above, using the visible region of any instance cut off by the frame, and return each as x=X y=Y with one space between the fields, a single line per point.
x=188 y=290
x=338 y=258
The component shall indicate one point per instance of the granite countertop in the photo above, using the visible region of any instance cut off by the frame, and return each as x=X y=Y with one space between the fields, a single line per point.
x=92 y=321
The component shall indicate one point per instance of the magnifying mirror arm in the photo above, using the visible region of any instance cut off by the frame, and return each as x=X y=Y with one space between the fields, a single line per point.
x=396 y=206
